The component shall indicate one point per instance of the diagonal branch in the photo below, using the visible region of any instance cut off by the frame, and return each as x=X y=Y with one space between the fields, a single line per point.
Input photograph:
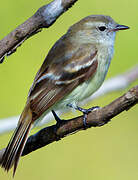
x=116 y=83
x=43 y=18
x=96 y=118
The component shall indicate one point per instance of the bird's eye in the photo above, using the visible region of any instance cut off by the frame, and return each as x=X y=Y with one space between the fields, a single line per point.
x=102 y=28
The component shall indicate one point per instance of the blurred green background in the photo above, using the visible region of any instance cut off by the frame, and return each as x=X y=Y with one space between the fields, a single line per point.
x=106 y=153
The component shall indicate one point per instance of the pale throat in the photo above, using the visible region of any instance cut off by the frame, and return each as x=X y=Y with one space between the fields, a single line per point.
x=106 y=48
x=105 y=55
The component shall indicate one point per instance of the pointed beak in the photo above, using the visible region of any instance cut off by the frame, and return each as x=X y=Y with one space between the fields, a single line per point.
x=120 y=27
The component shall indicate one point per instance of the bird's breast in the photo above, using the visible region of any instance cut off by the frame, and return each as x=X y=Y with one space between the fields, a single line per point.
x=88 y=87
x=104 y=58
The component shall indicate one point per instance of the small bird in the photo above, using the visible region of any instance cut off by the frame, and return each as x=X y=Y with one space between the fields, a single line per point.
x=73 y=70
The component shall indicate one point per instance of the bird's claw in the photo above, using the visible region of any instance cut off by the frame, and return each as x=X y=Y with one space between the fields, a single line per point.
x=84 y=111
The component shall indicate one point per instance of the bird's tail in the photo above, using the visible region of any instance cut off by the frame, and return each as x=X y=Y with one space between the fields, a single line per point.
x=16 y=145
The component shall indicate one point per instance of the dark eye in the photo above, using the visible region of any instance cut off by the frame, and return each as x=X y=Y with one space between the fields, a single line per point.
x=102 y=28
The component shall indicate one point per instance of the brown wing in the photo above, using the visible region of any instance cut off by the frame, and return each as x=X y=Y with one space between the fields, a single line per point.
x=60 y=76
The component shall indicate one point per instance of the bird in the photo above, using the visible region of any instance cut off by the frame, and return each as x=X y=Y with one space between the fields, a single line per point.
x=73 y=70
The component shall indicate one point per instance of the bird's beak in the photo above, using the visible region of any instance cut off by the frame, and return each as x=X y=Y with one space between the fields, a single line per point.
x=120 y=27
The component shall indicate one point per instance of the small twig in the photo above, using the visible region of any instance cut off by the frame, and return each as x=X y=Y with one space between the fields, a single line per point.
x=95 y=119
x=43 y=18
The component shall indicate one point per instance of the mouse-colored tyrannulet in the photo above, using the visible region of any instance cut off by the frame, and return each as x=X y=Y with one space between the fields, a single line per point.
x=74 y=69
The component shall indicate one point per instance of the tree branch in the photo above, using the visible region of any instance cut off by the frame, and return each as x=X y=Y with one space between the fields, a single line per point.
x=43 y=18
x=116 y=83
x=96 y=118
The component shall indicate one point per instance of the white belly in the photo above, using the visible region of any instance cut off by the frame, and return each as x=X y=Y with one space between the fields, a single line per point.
x=87 y=88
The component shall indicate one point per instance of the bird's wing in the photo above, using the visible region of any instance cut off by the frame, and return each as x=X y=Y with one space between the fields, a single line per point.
x=60 y=75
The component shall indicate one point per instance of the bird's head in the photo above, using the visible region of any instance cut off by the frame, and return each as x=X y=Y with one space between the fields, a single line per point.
x=98 y=29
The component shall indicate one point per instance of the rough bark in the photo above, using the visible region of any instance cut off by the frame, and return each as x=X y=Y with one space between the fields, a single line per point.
x=43 y=18
x=95 y=118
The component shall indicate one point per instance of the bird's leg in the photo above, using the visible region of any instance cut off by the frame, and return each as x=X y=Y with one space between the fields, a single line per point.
x=84 y=111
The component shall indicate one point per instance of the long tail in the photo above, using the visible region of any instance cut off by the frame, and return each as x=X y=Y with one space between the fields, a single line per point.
x=16 y=145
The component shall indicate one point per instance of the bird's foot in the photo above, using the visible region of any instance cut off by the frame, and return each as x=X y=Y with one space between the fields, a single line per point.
x=84 y=111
